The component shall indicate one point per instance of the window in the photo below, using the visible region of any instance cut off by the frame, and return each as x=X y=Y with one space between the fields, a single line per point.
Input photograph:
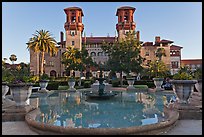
x=174 y=64
x=120 y=18
x=126 y=18
x=147 y=53
x=73 y=19
x=127 y=31
x=93 y=54
x=100 y=54
x=51 y=63
x=79 y=19
x=72 y=33
x=72 y=43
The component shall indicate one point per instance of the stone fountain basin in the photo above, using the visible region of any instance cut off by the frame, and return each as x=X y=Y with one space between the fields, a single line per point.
x=171 y=117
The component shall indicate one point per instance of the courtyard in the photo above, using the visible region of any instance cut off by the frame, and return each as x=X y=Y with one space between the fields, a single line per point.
x=122 y=84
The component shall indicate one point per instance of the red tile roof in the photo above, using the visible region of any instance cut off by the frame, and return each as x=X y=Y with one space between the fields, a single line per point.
x=92 y=40
x=191 y=61
x=124 y=8
x=175 y=47
x=166 y=41
x=148 y=44
x=74 y=8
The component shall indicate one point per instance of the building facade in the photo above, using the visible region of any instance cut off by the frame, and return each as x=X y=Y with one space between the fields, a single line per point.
x=74 y=37
x=192 y=64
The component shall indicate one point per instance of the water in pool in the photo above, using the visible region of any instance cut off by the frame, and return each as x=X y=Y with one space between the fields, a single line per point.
x=124 y=110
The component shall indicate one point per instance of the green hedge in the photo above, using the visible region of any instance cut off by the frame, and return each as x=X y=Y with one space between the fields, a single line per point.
x=63 y=87
x=53 y=85
x=87 y=84
x=115 y=83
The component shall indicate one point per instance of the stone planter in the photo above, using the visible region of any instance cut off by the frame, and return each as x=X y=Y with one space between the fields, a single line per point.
x=183 y=89
x=71 y=84
x=21 y=92
x=5 y=90
x=43 y=85
x=158 y=82
x=130 y=83
x=198 y=86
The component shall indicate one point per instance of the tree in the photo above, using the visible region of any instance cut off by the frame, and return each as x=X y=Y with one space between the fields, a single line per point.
x=158 y=69
x=42 y=42
x=124 y=56
x=160 y=52
x=74 y=59
x=13 y=58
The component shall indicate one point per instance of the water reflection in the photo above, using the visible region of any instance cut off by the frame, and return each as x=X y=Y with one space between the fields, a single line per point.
x=73 y=110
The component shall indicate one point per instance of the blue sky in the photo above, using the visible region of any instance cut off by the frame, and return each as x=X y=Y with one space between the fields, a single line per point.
x=177 y=21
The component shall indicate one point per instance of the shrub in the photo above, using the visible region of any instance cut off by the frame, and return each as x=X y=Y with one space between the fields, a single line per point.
x=182 y=76
x=87 y=84
x=115 y=83
x=63 y=87
x=63 y=83
x=53 y=85
x=150 y=84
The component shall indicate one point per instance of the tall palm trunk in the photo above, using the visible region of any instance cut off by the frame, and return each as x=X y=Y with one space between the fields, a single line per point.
x=42 y=63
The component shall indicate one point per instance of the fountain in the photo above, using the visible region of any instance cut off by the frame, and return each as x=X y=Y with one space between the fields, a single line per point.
x=102 y=94
x=83 y=112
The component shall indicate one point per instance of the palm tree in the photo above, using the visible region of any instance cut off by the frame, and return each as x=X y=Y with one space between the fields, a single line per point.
x=42 y=42
x=13 y=58
x=160 y=52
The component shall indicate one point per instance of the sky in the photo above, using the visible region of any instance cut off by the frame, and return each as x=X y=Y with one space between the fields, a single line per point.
x=180 y=22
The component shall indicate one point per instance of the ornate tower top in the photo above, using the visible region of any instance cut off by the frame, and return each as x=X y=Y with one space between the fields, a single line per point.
x=125 y=18
x=125 y=21
x=74 y=19
x=74 y=27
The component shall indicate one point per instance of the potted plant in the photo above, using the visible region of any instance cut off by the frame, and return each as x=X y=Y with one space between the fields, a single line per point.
x=198 y=77
x=43 y=82
x=71 y=83
x=183 y=86
x=6 y=78
x=130 y=81
x=20 y=86
x=158 y=70
x=158 y=81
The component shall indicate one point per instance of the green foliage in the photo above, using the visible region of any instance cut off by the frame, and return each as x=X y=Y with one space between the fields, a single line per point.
x=160 y=52
x=124 y=55
x=158 y=69
x=61 y=78
x=52 y=85
x=87 y=84
x=184 y=73
x=63 y=87
x=44 y=77
x=182 y=76
x=73 y=59
x=115 y=83
x=197 y=74
x=20 y=74
x=42 y=42
x=7 y=76
x=71 y=79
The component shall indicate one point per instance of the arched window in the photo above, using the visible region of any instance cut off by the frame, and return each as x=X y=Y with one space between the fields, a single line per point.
x=53 y=73
x=93 y=54
x=100 y=54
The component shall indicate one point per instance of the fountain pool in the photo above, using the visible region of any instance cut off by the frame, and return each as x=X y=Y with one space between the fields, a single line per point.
x=126 y=113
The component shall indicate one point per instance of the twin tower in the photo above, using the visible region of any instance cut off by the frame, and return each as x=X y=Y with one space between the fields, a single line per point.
x=74 y=26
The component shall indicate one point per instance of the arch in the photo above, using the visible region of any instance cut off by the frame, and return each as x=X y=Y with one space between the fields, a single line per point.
x=53 y=73
x=100 y=53
x=93 y=53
